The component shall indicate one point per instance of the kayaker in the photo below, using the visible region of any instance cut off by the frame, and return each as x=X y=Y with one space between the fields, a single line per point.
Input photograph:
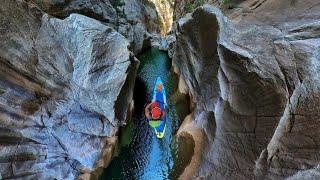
x=155 y=110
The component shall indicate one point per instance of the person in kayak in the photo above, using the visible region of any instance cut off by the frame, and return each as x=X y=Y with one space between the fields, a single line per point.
x=155 y=111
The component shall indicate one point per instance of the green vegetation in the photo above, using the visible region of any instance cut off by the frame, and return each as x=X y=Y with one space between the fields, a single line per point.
x=189 y=7
x=126 y=134
x=198 y=3
x=118 y=3
x=230 y=3
x=2 y=91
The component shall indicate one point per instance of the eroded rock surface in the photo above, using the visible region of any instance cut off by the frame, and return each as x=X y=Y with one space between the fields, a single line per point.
x=149 y=20
x=66 y=86
x=101 y=10
x=259 y=77
x=183 y=7
x=138 y=20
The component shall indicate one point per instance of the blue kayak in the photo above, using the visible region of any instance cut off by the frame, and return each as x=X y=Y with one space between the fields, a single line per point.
x=160 y=97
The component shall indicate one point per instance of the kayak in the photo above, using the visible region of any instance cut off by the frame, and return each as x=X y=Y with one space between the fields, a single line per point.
x=160 y=97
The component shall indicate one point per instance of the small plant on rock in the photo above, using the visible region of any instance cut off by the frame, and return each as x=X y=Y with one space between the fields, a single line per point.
x=189 y=7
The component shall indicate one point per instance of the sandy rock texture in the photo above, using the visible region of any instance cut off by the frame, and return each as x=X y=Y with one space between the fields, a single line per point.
x=65 y=88
x=150 y=21
x=255 y=77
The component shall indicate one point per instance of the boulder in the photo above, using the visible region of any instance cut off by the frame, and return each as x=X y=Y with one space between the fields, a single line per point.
x=66 y=87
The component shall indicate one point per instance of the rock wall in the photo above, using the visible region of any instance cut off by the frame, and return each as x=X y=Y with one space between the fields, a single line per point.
x=165 y=15
x=67 y=76
x=252 y=73
x=155 y=15
x=182 y=7
x=65 y=88
x=254 y=84
x=150 y=20
x=140 y=21
x=102 y=10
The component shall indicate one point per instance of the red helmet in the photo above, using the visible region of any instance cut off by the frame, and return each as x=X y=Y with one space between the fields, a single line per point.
x=155 y=110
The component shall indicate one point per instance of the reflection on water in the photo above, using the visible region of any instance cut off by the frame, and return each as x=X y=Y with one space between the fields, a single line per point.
x=142 y=155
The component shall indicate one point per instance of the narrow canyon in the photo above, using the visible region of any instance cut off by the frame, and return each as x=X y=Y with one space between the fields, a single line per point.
x=243 y=82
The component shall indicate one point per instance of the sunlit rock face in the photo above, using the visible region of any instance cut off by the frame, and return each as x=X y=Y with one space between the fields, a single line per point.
x=150 y=21
x=66 y=86
x=260 y=78
x=183 y=7
x=165 y=14
x=155 y=15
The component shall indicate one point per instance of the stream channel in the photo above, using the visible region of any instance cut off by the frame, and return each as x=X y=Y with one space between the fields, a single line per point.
x=140 y=154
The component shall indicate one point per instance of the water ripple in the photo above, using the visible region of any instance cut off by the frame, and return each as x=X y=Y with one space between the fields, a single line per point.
x=147 y=157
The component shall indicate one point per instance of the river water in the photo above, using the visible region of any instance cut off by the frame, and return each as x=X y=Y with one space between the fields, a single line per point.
x=141 y=155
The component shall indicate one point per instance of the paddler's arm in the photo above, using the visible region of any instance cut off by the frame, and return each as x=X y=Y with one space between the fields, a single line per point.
x=147 y=111
x=164 y=112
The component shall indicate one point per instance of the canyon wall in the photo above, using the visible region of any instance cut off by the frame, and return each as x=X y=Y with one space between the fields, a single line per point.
x=66 y=87
x=150 y=21
x=140 y=21
x=67 y=76
x=250 y=68
x=253 y=76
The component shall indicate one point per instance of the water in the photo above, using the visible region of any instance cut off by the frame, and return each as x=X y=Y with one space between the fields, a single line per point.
x=142 y=155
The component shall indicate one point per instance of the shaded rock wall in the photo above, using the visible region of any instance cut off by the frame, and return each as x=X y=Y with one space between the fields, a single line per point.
x=260 y=79
x=138 y=20
x=116 y=14
x=101 y=10
x=66 y=87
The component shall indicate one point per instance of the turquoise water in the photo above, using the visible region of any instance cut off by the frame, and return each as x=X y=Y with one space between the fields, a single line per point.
x=142 y=155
